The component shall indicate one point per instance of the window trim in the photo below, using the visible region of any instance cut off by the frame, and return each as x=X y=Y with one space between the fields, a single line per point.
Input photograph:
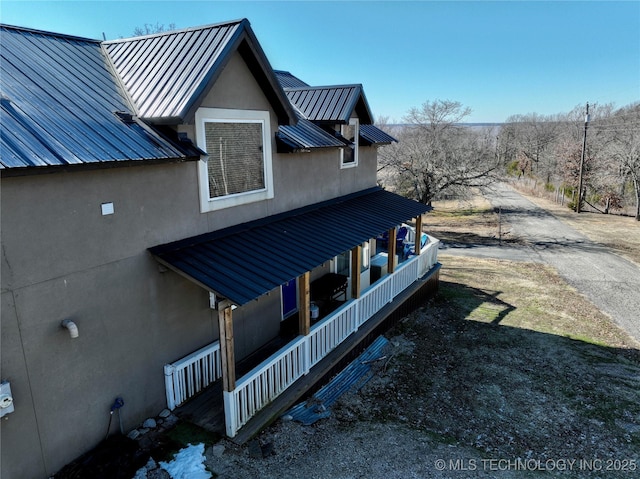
x=224 y=115
x=356 y=139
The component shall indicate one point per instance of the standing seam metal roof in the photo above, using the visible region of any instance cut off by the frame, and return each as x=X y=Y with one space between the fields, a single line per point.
x=229 y=262
x=375 y=136
x=59 y=98
x=325 y=103
x=306 y=135
x=287 y=80
x=168 y=73
x=163 y=72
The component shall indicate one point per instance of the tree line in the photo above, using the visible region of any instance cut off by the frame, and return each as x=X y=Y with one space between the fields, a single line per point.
x=438 y=155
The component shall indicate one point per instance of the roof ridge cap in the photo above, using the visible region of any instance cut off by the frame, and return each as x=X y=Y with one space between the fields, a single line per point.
x=318 y=87
x=178 y=31
x=47 y=33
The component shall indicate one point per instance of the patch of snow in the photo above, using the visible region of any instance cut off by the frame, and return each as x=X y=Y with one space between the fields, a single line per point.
x=188 y=464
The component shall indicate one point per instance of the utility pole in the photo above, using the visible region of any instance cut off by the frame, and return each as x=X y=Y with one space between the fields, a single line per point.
x=584 y=150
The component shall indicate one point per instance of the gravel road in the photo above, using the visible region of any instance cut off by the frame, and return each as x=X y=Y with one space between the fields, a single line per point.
x=609 y=281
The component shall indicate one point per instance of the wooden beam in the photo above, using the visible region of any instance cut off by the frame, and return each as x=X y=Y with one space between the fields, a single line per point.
x=304 y=304
x=418 y=234
x=356 y=266
x=391 y=251
x=227 y=356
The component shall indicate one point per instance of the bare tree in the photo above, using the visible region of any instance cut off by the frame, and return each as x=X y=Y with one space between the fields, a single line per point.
x=625 y=146
x=150 y=29
x=438 y=155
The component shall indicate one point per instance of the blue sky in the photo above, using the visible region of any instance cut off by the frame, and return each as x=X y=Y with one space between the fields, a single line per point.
x=498 y=58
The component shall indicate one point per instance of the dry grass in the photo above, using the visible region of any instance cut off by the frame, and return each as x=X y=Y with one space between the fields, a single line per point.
x=530 y=296
x=470 y=221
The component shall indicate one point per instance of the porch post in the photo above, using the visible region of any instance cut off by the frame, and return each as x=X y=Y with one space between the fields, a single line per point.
x=304 y=302
x=391 y=251
x=356 y=266
x=418 y=234
x=227 y=357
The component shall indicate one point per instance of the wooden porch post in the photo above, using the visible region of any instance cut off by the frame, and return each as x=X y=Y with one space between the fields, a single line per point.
x=391 y=251
x=227 y=356
x=304 y=304
x=418 y=246
x=356 y=266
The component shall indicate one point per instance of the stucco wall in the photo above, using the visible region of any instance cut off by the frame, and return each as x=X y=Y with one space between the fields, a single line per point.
x=300 y=179
x=61 y=258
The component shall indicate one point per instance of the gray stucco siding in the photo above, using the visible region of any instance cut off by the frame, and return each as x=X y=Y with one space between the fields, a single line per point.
x=132 y=320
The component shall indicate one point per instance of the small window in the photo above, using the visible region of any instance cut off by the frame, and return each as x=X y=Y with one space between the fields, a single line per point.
x=238 y=167
x=349 y=154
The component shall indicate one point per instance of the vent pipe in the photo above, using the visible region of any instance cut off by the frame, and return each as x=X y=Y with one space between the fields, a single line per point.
x=71 y=326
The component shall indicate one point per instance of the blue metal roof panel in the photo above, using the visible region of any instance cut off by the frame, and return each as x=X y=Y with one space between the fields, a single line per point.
x=375 y=136
x=287 y=80
x=164 y=73
x=229 y=263
x=325 y=103
x=59 y=97
x=306 y=135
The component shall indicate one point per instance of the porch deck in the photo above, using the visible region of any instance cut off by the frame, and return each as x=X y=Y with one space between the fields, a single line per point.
x=207 y=409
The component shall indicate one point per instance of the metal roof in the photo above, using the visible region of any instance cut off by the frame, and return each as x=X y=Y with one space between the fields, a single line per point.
x=243 y=262
x=167 y=74
x=330 y=103
x=375 y=136
x=59 y=103
x=287 y=80
x=306 y=136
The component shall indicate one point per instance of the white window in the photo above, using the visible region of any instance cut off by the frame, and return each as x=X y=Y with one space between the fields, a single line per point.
x=349 y=154
x=238 y=169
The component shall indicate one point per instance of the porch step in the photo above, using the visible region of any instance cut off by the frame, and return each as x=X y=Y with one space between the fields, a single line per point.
x=343 y=354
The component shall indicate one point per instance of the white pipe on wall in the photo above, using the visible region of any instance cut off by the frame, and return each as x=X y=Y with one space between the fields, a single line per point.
x=71 y=326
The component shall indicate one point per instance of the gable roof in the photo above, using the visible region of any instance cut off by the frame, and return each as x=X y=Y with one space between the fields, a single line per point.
x=59 y=103
x=326 y=105
x=168 y=74
x=330 y=104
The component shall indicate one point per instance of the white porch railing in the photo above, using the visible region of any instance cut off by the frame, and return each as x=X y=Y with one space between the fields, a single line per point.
x=264 y=383
x=268 y=380
x=327 y=334
x=191 y=374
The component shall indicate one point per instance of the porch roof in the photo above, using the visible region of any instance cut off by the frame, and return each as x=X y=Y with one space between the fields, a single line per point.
x=243 y=262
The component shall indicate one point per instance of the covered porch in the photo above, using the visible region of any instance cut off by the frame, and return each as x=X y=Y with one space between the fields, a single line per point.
x=345 y=297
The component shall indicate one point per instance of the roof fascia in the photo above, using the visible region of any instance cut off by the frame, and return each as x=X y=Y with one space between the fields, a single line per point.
x=49 y=34
x=188 y=114
x=362 y=109
x=172 y=32
x=245 y=42
x=251 y=52
x=99 y=165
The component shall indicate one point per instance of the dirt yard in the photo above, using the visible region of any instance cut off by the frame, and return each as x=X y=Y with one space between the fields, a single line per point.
x=508 y=373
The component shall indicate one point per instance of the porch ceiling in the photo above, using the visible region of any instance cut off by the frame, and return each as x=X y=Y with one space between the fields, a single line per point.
x=243 y=262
